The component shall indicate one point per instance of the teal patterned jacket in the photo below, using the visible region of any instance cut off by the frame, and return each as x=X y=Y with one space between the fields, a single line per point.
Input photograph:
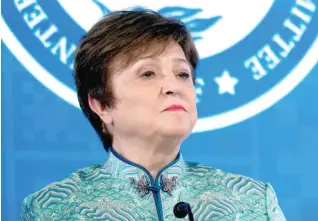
x=122 y=190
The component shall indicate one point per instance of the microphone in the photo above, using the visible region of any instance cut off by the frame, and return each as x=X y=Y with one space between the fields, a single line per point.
x=182 y=209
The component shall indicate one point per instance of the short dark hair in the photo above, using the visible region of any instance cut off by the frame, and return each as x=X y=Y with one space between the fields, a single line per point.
x=126 y=34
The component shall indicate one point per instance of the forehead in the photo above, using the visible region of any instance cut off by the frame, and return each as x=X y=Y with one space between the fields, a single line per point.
x=152 y=50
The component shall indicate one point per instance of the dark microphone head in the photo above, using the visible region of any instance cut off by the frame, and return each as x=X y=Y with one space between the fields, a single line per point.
x=181 y=209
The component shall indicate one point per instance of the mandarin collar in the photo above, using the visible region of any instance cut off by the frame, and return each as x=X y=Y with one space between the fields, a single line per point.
x=120 y=167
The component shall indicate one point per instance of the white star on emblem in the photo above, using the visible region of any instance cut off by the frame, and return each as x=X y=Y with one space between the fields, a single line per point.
x=226 y=83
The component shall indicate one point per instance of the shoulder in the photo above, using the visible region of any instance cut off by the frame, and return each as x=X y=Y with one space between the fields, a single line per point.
x=246 y=194
x=235 y=183
x=60 y=193
x=75 y=182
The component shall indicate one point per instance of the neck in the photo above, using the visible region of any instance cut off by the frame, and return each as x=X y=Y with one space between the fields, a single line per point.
x=152 y=155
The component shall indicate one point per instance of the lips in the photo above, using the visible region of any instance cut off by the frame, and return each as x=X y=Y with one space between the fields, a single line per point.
x=175 y=107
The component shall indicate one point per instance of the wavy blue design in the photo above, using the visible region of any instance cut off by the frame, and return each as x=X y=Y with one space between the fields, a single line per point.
x=179 y=12
x=195 y=25
x=102 y=6
x=199 y=24
x=212 y=193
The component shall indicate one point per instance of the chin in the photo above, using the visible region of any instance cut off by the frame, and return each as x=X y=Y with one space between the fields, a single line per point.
x=176 y=131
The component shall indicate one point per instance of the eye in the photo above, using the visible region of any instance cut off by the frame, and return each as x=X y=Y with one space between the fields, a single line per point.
x=148 y=74
x=184 y=75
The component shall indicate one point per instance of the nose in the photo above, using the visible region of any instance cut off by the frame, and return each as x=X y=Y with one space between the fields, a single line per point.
x=171 y=86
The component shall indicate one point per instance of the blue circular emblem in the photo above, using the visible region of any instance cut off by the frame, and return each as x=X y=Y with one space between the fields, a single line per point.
x=253 y=53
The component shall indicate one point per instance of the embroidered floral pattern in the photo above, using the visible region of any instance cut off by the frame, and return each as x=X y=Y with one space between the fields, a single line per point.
x=168 y=184
x=141 y=185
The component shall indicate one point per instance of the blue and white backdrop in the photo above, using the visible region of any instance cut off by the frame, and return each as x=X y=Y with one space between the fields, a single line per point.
x=256 y=93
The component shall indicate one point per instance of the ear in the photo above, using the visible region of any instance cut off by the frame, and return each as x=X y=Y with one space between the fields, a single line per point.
x=100 y=110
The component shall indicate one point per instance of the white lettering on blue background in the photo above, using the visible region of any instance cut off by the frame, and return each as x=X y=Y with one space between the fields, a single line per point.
x=46 y=31
x=266 y=58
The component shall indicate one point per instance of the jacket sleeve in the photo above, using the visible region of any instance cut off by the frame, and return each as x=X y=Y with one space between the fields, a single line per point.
x=273 y=209
x=31 y=210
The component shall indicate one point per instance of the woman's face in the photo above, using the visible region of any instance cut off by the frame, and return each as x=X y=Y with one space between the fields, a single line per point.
x=144 y=90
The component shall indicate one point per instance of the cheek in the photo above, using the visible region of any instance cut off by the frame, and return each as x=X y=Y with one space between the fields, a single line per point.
x=193 y=105
x=194 y=114
x=192 y=96
x=139 y=102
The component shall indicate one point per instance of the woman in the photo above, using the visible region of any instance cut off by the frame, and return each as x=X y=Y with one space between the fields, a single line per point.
x=134 y=73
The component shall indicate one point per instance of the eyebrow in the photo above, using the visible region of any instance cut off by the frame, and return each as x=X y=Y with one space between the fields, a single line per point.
x=183 y=61
x=179 y=60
